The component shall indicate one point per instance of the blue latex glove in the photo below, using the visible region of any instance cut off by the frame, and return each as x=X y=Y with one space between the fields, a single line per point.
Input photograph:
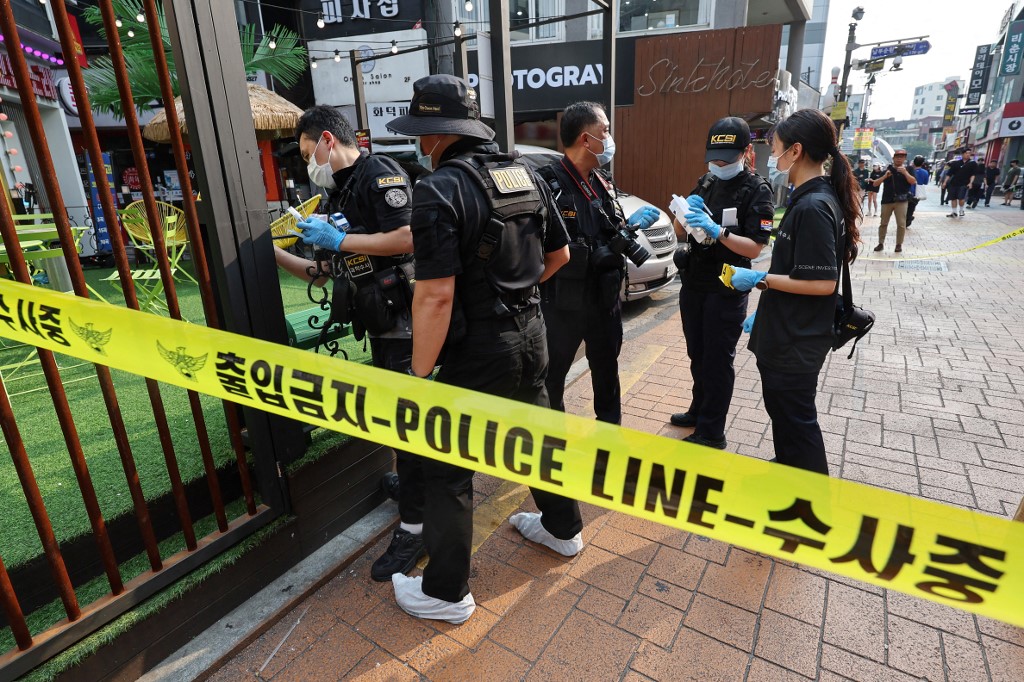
x=644 y=217
x=696 y=202
x=701 y=220
x=748 y=324
x=320 y=233
x=744 y=279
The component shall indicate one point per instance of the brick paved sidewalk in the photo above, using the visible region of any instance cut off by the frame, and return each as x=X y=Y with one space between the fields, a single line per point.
x=931 y=405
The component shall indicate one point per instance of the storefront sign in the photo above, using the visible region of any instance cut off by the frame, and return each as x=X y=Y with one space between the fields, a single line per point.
x=1013 y=48
x=42 y=78
x=385 y=78
x=949 y=113
x=666 y=77
x=378 y=114
x=961 y=138
x=66 y=96
x=839 y=111
x=1013 y=120
x=130 y=178
x=79 y=50
x=551 y=76
x=98 y=220
x=343 y=18
x=979 y=75
x=363 y=140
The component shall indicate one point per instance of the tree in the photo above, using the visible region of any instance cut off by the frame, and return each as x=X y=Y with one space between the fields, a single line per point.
x=286 y=61
x=919 y=148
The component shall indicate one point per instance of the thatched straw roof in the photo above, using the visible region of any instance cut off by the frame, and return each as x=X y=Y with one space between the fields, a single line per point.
x=272 y=115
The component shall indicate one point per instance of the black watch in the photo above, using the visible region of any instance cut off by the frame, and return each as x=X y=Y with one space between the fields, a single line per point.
x=725 y=233
x=763 y=284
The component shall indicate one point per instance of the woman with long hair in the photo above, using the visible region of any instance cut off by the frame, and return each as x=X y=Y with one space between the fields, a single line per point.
x=791 y=331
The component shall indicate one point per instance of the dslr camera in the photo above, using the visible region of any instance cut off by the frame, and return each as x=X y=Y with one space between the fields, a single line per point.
x=621 y=242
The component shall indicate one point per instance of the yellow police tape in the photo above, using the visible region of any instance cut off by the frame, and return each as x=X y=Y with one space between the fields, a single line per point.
x=1009 y=235
x=952 y=556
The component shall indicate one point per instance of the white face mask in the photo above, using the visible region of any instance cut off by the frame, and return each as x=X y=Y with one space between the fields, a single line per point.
x=773 y=169
x=773 y=162
x=320 y=173
x=425 y=159
x=726 y=172
x=608 y=150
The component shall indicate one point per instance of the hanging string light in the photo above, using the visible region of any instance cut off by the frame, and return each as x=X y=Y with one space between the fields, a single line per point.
x=337 y=55
x=117 y=22
x=394 y=47
x=312 y=63
x=469 y=6
x=273 y=43
x=320 y=23
x=131 y=33
x=140 y=17
x=458 y=30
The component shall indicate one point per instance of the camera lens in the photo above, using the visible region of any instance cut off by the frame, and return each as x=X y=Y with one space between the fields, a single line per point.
x=636 y=253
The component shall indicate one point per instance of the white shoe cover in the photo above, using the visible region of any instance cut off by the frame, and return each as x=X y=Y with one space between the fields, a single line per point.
x=529 y=525
x=409 y=595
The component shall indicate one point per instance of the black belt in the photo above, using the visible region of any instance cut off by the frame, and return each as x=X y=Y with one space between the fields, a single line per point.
x=503 y=324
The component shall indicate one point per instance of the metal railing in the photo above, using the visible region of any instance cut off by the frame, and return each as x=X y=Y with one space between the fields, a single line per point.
x=34 y=648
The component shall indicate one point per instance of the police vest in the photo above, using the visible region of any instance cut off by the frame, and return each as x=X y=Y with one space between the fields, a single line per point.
x=707 y=259
x=502 y=263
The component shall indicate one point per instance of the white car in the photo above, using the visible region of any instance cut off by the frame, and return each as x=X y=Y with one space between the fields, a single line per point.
x=659 y=239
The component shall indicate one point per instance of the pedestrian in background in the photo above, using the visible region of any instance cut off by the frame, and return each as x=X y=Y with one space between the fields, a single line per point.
x=499 y=347
x=977 y=188
x=740 y=224
x=872 y=189
x=791 y=331
x=1010 y=182
x=991 y=178
x=959 y=177
x=896 y=183
x=919 y=191
x=581 y=302
x=862 y=174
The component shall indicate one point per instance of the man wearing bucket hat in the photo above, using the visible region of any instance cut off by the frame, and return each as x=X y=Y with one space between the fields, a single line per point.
x=734 y=208
x=485 y=234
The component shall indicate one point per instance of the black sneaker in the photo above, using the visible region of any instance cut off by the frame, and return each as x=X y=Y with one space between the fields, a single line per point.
x=684 y=419
x=879 y=247
x=402 y=554
x=952 y=215
x=717 y=443
x=389 y=483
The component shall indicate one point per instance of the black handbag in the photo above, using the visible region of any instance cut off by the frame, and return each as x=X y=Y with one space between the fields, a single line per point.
x=851 y=322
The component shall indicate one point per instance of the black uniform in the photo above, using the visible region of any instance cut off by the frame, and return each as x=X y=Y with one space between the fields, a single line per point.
x=374 y=194
x=793 y=333
x=712 y=313
x=581 y=302
x=501 y=350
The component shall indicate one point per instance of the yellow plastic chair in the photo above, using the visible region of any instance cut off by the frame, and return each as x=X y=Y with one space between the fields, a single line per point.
x=282 y=228
x=172 y=219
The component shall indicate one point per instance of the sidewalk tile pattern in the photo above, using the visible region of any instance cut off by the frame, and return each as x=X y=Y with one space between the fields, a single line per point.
x=932 y=405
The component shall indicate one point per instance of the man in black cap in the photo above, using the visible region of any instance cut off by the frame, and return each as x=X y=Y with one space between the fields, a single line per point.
x=733 y=208
x=485 y=234
x=581 y=302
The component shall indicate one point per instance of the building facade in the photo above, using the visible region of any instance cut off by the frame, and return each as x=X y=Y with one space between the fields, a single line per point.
x=930 y=98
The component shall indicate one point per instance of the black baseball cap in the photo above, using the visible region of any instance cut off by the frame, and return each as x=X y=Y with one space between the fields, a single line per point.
x=442 y=105
x=727 y=138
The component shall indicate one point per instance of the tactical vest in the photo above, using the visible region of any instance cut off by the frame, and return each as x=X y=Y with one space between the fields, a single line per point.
x=371 y=292
x=501 y=267
x=706 y=259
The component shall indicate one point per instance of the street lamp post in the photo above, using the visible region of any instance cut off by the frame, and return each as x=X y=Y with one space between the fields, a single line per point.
x=851 y=45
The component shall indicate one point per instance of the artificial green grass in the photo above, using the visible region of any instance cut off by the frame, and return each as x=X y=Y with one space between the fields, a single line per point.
x=52 y=613
x=44 y=441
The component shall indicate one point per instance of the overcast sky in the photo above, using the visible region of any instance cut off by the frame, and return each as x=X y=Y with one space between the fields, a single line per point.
x=955 y=28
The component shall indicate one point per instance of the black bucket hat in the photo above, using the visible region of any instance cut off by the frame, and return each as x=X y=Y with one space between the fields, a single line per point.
x=727 y=138
x=442 y=105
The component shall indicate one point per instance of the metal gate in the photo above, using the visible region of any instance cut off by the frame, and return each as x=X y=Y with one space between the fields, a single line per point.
x=212 y=83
